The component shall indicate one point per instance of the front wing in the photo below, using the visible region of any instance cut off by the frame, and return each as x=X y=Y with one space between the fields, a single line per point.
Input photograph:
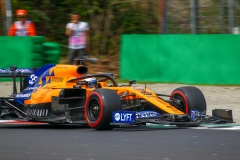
x=128 y=118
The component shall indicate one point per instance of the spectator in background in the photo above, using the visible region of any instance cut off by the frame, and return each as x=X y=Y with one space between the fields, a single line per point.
x=78 y=38
x=22 y=27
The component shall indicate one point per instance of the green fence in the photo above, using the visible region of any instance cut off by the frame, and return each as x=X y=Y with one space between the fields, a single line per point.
x=26 y=52
x=15 y=51
x=190 y=59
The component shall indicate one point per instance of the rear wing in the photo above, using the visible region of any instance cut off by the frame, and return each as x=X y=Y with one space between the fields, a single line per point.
x=14 y=73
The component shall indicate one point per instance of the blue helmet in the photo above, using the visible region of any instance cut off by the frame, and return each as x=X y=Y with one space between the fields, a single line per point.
x=92 y=82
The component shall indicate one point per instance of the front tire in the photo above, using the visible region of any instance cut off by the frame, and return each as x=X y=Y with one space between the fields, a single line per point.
x=189 y=98
x=99 y=107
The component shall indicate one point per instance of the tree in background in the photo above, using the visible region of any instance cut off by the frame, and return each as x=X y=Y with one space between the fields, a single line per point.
x=108 y=19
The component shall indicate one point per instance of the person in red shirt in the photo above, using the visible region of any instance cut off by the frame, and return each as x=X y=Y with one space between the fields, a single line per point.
x=22 y=27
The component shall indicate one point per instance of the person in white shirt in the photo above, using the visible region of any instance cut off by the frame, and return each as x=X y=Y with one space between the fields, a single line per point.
x=78 y=38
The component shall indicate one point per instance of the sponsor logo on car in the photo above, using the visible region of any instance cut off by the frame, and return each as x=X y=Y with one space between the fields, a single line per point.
x=123 y=117
x=24 y=70
x=57 y=79
x=37 y=112
x=3 y=71
x=20 y=70
x=147 y=114
x=197 y=115
x=33 y=79
x=23 y=95
x=32 y=88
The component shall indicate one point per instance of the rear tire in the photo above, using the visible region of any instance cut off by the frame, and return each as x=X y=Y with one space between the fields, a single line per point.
x=189 y=98
x=99 y=107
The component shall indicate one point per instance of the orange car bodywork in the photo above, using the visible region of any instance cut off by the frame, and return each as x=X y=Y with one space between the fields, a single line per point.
x=56 y=80
x=65 y=76
x=148 y=95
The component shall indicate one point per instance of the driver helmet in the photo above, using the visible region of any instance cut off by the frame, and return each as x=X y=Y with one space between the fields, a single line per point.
x=92 y=82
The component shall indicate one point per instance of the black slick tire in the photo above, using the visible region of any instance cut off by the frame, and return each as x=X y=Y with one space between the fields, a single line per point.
x=189 y=98
x=99 y=107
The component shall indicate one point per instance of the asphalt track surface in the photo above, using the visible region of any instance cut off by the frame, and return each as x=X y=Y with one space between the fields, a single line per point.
x=47 y=142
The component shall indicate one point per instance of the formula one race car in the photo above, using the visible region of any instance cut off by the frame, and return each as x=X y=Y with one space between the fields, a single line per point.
x=66 y=94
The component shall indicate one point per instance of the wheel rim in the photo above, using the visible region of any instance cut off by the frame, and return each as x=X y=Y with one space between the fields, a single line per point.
x=181 y=104
x=94 y=110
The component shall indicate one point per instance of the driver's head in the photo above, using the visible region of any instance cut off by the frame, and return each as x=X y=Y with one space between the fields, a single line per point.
x=92 y=82
x=21 y=14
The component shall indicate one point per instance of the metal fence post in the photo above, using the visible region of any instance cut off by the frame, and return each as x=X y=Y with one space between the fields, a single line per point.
x=194 y=15
x=230 y=16
x=8 y=14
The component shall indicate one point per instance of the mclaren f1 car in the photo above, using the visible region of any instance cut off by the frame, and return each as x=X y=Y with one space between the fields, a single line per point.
x=67 y=94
